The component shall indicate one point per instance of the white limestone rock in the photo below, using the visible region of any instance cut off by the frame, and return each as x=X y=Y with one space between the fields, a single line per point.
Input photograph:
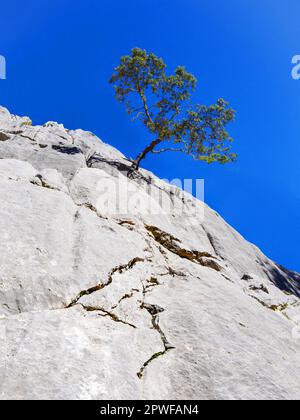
x=156 y=298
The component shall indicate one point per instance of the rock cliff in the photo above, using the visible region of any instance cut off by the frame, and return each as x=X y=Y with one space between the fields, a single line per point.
x=161 y=300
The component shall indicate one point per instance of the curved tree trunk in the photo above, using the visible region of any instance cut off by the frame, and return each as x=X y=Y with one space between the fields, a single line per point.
x=143 y=154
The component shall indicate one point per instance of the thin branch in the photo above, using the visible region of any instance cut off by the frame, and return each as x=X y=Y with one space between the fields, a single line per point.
x=177 y=112
x=141 y=108
x=137 y=116
x=145 y=105
x=168 y=149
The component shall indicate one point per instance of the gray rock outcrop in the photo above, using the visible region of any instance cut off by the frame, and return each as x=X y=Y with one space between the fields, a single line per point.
x=162 y=300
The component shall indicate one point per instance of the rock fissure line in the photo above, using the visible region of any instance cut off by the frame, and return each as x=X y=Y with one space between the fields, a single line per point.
x=89 y=206
x=97 y=287
x=106 y=313
x=14 y=132
x=42 y=183
x=26 y=137
x=276 y=308
x=261 y=287
x=153 y=282
x=39 y=181
x=126 y=296
x=170 y=243
x=154 y=311
x=212 y=242
x=152 y=242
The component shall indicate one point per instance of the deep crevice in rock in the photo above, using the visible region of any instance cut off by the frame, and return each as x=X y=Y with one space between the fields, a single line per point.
x=67 y=150
x=154 y=311
x=171 y=244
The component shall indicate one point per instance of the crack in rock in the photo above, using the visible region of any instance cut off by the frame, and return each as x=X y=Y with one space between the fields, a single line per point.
x=97 y=287
x=129 y=224
x=126 y=296
x=26 y=137
x=213 y=242
x=247 y=277
x=40 y=182
x=106 y=313
x=15 y=132
x=171 y=243
x=151 y=283
x=154 y=311
x=67 y=149
x=276 y=308
x=261 y=287
x=90 y=206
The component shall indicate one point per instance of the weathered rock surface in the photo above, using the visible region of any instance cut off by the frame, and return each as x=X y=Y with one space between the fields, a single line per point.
x=98 y=302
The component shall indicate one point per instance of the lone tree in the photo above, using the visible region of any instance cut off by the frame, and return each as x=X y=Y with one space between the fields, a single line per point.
x=162 y=103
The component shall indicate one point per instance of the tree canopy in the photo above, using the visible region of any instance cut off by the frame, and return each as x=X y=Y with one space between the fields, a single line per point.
x=162 y=103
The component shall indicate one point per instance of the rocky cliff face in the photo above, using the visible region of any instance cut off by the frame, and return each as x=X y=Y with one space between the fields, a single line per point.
x=100 y=303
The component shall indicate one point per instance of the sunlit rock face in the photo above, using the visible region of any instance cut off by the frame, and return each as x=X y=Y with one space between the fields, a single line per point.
x=117 y=285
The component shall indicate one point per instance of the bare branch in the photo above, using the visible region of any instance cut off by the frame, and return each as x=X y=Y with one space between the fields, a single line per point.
x=137 y=116
x=168 y=149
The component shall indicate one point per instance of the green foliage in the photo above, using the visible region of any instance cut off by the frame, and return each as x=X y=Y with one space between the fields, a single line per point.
x=162 y=103
x=27 y=122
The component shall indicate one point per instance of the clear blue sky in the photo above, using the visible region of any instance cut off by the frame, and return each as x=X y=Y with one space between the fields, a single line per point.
x=61 y=53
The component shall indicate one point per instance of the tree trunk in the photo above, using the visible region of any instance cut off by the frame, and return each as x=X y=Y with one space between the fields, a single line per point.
x=143 y=154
